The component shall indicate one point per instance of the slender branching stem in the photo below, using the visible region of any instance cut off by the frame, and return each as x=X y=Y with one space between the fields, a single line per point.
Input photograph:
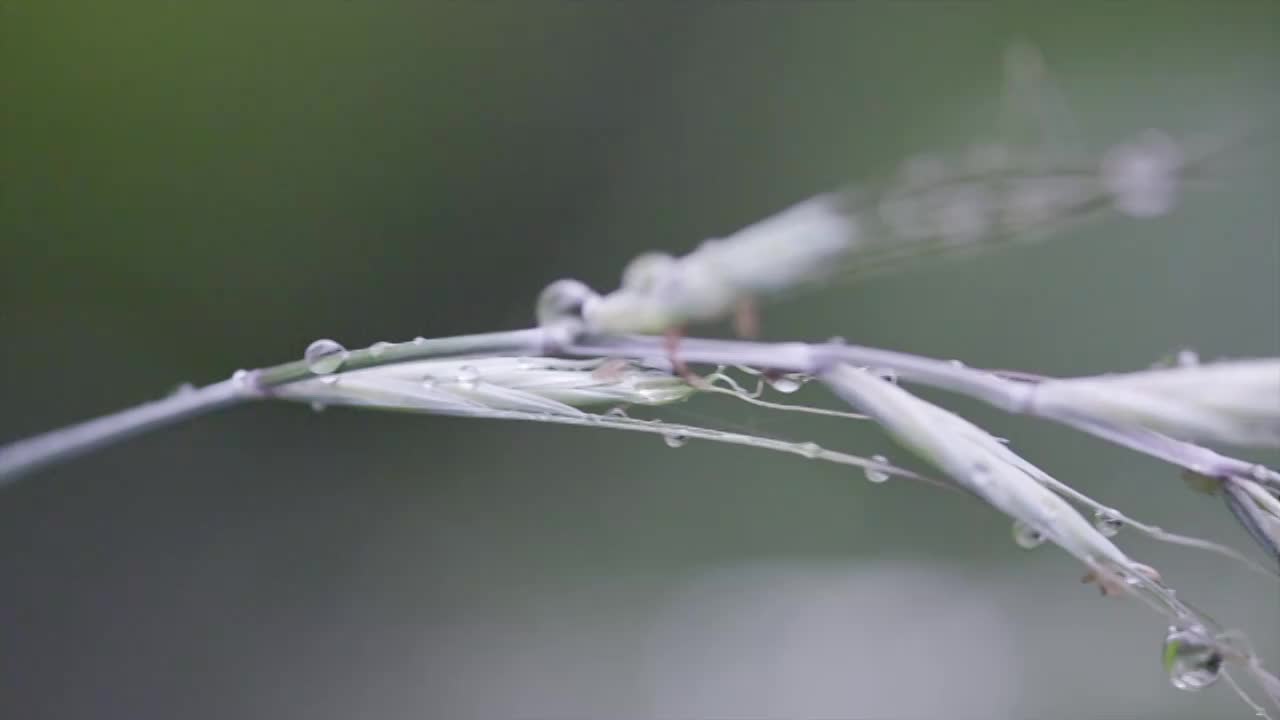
x=514 y=342
x=1011 y=396
x=25 y=456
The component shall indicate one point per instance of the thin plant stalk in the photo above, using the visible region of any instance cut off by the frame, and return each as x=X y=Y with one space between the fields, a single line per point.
x=810 y=359
x=25 y=456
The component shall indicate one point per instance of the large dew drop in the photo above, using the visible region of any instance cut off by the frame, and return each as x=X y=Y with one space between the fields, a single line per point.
x=1026 y=536
x=785 y=384
x=324 y=356
x=242 y=380
x=875 y=475
x=1107 y=523
x=674 y=439
x=467 y=377
x=1190 y=658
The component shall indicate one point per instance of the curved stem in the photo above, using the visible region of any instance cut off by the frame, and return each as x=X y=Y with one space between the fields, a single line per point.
x=811 y=359
x=1011 y=396
x=24 y=456
x=533 y=341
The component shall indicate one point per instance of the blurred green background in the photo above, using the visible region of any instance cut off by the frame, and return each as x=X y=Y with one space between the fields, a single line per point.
x=189 y=188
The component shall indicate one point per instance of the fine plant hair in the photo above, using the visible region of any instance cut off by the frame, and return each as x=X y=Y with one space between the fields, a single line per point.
x=593 y=357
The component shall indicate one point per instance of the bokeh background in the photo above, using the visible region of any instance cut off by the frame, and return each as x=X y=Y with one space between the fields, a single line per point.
x=190 y=188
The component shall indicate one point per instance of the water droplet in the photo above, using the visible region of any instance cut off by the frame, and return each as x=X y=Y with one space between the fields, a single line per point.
x=419 y=340
x=955 y=363
x=317 y=406
x=674 y=439
x=467 y=377
x=616 y=412
x=1191 y=658
x=379 y=348
x=1186 y=359
x=185 y=388
x=1137 y=575
x=876 y=475
x=428 y=382
x=241 y=380
x=1026 y=536
x=810 y=449
x=786 y=384
x=981 y=476
x=1107 y=523
x=836 y=340
x=329 y=379
x=324 y=356
x=563 y=300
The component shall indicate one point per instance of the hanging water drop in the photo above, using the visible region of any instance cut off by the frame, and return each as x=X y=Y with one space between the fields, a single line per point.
x=324 y=356
x=1191 y=659
x=379 y=348
x=467 y=377
x=785 y=384
x=1107 y=522
x=1026 y=536
x=616 y=412
x=876 y=475
x=674 y=439
x=317 y=406
x=1186 y=358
